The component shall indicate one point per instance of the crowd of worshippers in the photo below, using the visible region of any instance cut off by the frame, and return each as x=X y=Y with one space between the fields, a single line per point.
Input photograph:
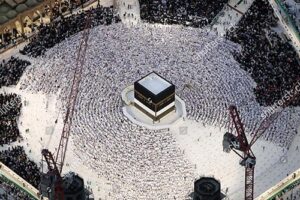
x=16 y=159
x=10 y=191
x=11 y=38
x=185 y=12
x=62 y=28
x=266 y=55
x=11 y=71
x=64 y=6
x=10 y=108
x=14 y=37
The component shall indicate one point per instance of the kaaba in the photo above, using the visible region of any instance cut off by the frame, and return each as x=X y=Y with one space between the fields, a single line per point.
x=154 y=96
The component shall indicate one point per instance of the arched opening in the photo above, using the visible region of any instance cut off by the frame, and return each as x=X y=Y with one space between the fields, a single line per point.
x=27 y=22
x=44 y=15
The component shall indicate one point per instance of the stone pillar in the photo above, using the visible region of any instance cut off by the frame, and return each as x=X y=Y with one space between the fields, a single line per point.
x=2 y=36
x=20 y=18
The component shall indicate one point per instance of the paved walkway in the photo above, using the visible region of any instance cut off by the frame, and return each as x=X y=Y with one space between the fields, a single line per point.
x=280 y=186
x=235 y=9
x=230 y=15
x=289 y=29
x=129 y=11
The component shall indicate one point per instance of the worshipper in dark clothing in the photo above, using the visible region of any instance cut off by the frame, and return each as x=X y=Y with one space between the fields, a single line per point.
x=11 y=71
x=62 y=28
x=185 y=12
x=269 y=58
x=10 y=108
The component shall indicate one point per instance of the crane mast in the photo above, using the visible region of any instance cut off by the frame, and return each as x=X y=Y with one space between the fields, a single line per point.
x=238 y=142
x=55 y=165
x=53 y=172
x=63 y=144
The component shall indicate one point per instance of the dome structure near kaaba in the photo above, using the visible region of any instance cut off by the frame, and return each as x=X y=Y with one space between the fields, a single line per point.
x=207 y=188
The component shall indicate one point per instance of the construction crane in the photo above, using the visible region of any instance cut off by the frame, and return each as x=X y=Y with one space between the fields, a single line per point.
x=55 y=165
x=238 y=142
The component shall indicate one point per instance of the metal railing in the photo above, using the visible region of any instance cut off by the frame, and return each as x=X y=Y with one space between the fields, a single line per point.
x=288 y=19
x=9 y=176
